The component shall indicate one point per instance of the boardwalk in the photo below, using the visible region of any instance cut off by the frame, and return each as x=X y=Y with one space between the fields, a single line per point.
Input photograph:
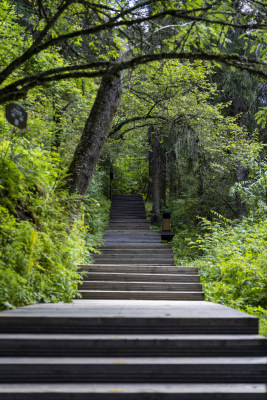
x=141 y=332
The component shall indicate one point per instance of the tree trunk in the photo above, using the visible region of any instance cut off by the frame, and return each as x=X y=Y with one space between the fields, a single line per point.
x=150 y=164
x=156 y=176
x=174 y=178
x=96 y=130
x=200 y=192
x=162 y=175
x=241 y=176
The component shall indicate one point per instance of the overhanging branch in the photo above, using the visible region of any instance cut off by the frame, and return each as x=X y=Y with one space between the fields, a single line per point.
x=115 y=22
x=20 y=88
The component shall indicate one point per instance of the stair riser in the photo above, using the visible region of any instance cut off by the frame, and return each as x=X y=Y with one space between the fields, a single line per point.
x=126 y=223
x=130 y=348
x=128 y=228
x=133 y=244
x=132 y=233
x=129 y=236
x=129 y=217
x=135 y=214
x=126 y=208
x=141 y=278
x=141 y=250
x=134 y=261
x=128 y=240
x=128 y=325
x=134 y=373
x=137 y=254
x=131 y=396
x=87 y=285
x=138 y=212
x=178 y=296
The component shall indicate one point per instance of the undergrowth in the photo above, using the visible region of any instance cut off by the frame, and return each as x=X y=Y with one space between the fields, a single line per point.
x=39 y=247
x=232 y=259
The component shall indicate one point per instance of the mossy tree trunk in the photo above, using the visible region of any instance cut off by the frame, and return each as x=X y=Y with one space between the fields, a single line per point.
x=94 y=136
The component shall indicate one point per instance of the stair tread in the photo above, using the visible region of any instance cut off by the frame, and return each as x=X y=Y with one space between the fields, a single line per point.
x=123 y=336
x=132 y=388
x=136 y=309
x=160 y=276
x=139 y=291
x=140 y=266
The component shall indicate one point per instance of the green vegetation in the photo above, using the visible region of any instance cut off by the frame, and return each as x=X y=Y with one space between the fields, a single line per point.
x=40 y=248
x=233 y=264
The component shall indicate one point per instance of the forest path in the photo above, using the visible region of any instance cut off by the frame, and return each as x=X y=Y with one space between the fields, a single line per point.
x=114 y=347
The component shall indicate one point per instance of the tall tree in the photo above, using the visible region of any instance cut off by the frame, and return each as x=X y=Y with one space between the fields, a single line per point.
x=173 y=30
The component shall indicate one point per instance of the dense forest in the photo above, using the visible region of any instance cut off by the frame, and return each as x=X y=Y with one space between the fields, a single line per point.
x=169 y=95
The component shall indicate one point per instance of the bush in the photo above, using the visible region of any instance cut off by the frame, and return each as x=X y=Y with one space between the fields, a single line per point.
x=40 y=248
x=233 y=265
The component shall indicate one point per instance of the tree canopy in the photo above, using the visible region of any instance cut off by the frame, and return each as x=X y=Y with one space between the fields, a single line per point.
x=93 y=34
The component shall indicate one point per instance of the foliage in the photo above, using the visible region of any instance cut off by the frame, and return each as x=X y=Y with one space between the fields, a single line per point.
x=233 y=264
x=39 y=254
x=34 y=240
x=200 y=145
x=129 y=162
x=92 y=35
x=253 y=191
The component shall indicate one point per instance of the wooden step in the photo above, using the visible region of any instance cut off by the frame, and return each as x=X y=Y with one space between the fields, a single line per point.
x=125 y=240
x=130 y=232
x=128 y=227
x=134 y=260
x=130 y=217
x=132 y=268
x=128 y=277
x=131 y=246
x=131 y=255
x=158 y=251
x=132 y=370
x=135 y=234
x=133 y=316
x=134 y=256
x=141 y=295
x=90 y=345
x=140 y=221
x=140 y=286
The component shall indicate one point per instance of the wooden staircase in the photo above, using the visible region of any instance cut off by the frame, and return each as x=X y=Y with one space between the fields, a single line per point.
x=118 y=343
x=134 y=264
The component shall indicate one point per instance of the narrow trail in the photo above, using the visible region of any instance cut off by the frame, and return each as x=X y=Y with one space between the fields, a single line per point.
x=142 y=331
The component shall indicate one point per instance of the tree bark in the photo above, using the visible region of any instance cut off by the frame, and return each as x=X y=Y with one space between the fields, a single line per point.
x=242 y=174
x=156 y=176
x=162 y=175
x=96 y=130
x=174 y=178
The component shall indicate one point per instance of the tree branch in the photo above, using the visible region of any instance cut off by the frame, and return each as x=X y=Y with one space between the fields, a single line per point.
x=32 y=49
x=119 y=126
x=114 y=22
x=20 y=88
